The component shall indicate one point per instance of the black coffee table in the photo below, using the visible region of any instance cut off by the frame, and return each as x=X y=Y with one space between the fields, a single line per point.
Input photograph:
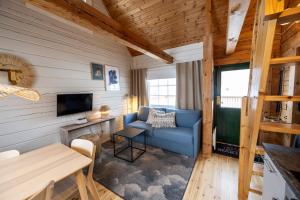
x=129 y=134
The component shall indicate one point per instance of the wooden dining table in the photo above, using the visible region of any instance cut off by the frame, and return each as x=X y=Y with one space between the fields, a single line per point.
x=23 y=176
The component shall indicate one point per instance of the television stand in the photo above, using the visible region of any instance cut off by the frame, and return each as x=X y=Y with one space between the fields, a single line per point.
x=66 y=131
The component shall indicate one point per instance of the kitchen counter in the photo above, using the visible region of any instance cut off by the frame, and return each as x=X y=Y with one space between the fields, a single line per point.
x=287 y=161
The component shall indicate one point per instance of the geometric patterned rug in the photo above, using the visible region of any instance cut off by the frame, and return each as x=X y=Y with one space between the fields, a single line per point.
x=156 y=175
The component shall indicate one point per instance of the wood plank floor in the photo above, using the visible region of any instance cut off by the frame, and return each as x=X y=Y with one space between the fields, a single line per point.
x=216 y=178
x=212 y=179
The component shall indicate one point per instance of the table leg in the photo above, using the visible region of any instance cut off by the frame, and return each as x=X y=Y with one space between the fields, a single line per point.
x=114 y=145
x=81 y=183
x=112 y=128
x=131 y=149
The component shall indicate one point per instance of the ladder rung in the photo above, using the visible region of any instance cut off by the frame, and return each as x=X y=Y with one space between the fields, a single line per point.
x=277 y=127
x=283 y=60
x=258 y=169
x=282 y=98
x=289 y=15
x=259 y=150
x=255 y=191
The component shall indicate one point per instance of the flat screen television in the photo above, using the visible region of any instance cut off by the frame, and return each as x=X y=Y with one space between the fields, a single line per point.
x=74 y=103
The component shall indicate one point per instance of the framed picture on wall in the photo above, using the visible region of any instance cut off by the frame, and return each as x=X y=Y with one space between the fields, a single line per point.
x=97 y=71
x=112 y=78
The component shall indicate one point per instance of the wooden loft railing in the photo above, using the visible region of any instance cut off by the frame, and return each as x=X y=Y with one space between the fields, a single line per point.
x=269 y=14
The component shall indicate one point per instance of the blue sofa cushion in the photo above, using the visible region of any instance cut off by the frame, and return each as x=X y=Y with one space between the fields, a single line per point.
x=144 y=112
x=178 y=135
x=142 y=125
x=185 y=118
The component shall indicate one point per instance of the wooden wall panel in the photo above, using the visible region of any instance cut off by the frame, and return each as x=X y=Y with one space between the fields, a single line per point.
x=61 y=57
x=290 y=47
x=290 y=39
x=288 y=43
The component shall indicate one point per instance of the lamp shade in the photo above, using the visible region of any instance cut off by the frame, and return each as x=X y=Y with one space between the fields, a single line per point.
x=104 y=108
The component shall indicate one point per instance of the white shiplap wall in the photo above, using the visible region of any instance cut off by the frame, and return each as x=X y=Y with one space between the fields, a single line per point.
x=61 y=56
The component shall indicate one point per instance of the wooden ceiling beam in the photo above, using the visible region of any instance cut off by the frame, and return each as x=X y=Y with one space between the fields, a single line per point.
x=236 y=16
x=90 y=18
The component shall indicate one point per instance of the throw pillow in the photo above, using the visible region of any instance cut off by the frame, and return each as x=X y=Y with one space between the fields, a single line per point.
x=151 y=115
x=166 y=120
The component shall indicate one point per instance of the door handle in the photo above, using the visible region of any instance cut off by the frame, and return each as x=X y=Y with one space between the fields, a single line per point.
x=218 y=100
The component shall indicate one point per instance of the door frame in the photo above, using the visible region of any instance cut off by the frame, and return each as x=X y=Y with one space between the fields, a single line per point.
x=217 y=84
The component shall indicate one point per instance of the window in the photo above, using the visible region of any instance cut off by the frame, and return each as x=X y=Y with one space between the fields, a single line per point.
x=162 y=92
x=234 y=86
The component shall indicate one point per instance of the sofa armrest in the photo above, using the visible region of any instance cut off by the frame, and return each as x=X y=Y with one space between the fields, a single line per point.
x=197 y=130
x=129 y=118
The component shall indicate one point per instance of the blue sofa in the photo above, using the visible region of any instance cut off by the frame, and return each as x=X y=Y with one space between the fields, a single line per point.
x=184 y=139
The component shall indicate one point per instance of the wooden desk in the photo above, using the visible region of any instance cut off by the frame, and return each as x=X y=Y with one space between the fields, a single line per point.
x=65 y=131
x=23 y=176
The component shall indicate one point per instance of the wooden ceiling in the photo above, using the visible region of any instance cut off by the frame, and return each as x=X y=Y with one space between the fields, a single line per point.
x=166 y=23
x=173 y=23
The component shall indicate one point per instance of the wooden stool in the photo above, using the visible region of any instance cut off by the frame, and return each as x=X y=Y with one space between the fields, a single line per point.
x=94 y=138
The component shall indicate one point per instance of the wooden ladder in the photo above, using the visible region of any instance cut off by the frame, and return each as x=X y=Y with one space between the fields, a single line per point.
x=269 y=13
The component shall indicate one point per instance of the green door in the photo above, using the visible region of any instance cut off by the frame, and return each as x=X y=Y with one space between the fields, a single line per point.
x=231 y=84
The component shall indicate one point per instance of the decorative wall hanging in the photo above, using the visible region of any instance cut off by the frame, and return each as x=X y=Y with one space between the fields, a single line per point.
x=20 y=78
x=97 y=71
x=112 y=78
x=25 y=93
